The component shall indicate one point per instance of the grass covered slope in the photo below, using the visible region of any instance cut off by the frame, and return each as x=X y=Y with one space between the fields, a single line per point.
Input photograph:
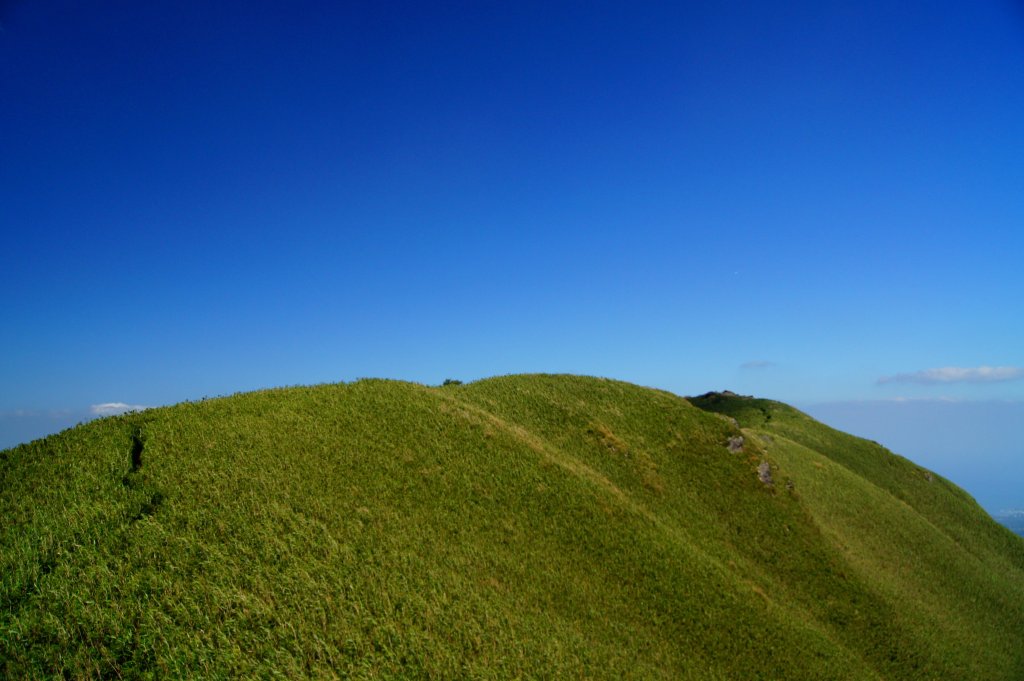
x=524 y=526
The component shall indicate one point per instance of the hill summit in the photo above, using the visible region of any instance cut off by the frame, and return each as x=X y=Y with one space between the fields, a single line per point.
x=515 y=527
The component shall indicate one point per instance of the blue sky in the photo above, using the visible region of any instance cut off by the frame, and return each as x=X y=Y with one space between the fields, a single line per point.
x=796 y=202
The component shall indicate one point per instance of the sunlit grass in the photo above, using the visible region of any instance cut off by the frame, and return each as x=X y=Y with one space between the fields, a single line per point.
x=519 y=527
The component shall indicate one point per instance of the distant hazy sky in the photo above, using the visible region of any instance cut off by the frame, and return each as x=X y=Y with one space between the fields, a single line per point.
x=819 y=202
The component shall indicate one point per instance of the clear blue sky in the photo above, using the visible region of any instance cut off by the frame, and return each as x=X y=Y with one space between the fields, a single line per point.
x=819 y=202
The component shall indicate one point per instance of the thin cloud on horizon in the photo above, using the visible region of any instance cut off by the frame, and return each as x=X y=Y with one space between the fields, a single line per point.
x=982 y=374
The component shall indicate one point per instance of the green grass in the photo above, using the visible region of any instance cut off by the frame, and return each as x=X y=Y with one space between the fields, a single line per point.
x=517 y=527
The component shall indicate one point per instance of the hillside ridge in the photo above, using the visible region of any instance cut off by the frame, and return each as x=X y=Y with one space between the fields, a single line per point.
x=518 y=526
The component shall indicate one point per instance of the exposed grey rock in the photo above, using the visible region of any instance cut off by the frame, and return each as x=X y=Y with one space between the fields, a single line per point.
x=735 y=444
x=764 y=473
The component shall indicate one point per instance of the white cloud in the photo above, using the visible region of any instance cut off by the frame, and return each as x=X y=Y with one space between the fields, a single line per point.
x=110 y=408
x=983 y=374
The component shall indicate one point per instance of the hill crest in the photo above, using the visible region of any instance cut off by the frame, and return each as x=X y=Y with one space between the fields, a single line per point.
x=540 y=525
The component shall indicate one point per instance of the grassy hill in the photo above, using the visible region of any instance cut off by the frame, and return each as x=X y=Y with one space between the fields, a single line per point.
x=517 y=527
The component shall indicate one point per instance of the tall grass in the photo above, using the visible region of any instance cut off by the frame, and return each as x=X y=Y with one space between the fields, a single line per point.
x=518 y=527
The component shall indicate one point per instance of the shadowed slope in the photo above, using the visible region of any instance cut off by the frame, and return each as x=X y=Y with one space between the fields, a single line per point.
x=954 y=575
x=518 y=526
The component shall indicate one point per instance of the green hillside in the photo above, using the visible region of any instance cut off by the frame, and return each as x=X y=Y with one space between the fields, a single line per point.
x=517 y=527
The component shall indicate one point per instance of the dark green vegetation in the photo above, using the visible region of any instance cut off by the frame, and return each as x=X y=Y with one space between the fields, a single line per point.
x=525 y=526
